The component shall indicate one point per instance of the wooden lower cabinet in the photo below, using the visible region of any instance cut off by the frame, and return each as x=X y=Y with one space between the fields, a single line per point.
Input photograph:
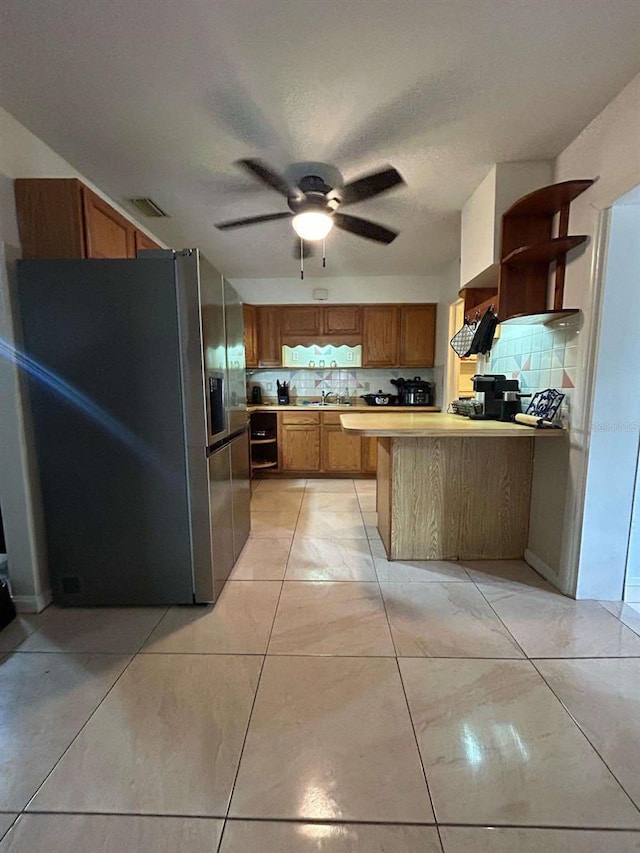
x=340 y=451
x=314 y=442
x=300 y=447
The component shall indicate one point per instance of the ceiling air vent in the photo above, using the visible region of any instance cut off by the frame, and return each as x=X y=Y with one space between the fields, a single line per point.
x=148 y=207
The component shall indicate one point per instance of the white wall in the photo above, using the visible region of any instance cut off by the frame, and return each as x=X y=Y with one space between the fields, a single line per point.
x=609 y=149
x=22 y=155
x=344 y=289
x=615 y=423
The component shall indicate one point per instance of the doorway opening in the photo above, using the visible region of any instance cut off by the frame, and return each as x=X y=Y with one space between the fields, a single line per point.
x=609 y=567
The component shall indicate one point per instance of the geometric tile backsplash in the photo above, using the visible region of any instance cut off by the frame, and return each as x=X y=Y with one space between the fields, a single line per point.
x=539 y=357
x=341 y=381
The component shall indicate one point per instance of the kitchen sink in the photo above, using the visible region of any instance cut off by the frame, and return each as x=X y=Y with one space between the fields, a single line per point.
x=325 y=405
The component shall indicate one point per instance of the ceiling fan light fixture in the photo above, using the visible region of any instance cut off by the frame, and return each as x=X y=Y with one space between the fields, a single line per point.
x=312 y=225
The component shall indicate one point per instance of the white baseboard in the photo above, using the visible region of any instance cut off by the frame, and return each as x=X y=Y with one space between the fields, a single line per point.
x=32 y=603
x=545 y=570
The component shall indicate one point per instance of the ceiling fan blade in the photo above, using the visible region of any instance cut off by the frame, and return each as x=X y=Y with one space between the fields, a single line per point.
x=307 y=252
x=252 y=220
x=260 y=170
x=370 y=185
x=364 y=228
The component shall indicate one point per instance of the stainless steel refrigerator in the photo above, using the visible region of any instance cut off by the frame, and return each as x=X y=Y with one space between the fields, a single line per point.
x=137 y=388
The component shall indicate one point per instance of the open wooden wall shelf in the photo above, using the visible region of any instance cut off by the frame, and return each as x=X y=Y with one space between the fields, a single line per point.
x=528 y=248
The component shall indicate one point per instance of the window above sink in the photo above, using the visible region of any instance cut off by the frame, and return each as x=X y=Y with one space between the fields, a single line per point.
x=322 y=357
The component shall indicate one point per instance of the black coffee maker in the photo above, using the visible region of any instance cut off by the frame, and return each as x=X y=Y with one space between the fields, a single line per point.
x=501 y=397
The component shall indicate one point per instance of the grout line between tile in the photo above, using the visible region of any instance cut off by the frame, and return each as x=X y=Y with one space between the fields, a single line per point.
x=583 y=732
x=81 y=729
x=499 y=618
x=344 y=821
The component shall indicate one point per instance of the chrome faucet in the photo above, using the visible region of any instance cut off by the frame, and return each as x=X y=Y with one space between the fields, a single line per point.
x=325 y=397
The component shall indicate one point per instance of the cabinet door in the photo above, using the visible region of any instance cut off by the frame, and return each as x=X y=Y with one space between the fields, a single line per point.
x=50 y=217
x=143 y=241
x=250 y=335
x=301 y=321
x=380 y=336
x=108 y=234
x=342 y=320
x=269 y=346
x=369 y=454
x=340 y=450
x=300 y=447
x=417 y=335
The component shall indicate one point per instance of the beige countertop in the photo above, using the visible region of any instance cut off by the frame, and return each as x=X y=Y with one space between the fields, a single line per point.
x=360 y=408
x=434 y=425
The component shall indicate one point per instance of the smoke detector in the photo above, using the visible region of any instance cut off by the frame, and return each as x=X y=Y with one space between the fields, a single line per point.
x=321 y=294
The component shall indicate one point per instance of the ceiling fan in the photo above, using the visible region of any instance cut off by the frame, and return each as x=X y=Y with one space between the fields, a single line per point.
x=314 y=205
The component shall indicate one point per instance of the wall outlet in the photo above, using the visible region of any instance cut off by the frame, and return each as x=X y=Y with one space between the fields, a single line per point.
x=367 y=387
x=268 y=386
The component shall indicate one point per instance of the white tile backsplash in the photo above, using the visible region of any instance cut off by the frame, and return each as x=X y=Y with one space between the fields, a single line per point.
x=310 y=383
x=539 y=357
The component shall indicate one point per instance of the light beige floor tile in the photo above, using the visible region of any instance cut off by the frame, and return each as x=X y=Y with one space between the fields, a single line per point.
x=330 y=560
x=498 y=748
x=343 y=486
x=548 y=624
x=22 y=627
x=330 y=619
x=367 y=502
x=514 y=575
x=167 y=740
x=418 y=571
x=296 y=485
x=365 y=487
x=603 y=696
x=247 y=836
x=273 y=525
x=107 y=630
x=277 y=500
x=330 y=502
x=445 y=620
x=45 y=699
x=5 y=822
x=112 y=834
x=262 y=560
x=330 y=738
x=626 y=613
x=238 y=623
x=501 y=840
x=331 y=525
x=371 y=526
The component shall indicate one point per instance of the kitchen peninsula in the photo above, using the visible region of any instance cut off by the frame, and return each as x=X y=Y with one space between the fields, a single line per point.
x=449 y=487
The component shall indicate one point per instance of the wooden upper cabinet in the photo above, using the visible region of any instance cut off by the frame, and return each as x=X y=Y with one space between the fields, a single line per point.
x=342 y=320
x=61 y=218
x=269 y=345
x=50 y=217
x=108 y=234
x=416 y=345
x=301 y=321
x=379 y=335
x=143 y=241
x=250 y=335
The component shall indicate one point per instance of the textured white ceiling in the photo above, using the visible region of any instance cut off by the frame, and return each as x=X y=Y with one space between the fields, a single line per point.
x=159 y=98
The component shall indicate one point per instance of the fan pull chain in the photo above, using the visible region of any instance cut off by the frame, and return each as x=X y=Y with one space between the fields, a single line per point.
x=324 y=253
x=301 y=258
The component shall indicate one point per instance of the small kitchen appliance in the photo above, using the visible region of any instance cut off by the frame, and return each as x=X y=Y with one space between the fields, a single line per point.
x=380 y=398
x=283 y=393
x=414 y=392
x=500 y=397
x=256 y=395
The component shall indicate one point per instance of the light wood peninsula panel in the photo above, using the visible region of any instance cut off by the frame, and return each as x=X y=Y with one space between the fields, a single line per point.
x=450 y=488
